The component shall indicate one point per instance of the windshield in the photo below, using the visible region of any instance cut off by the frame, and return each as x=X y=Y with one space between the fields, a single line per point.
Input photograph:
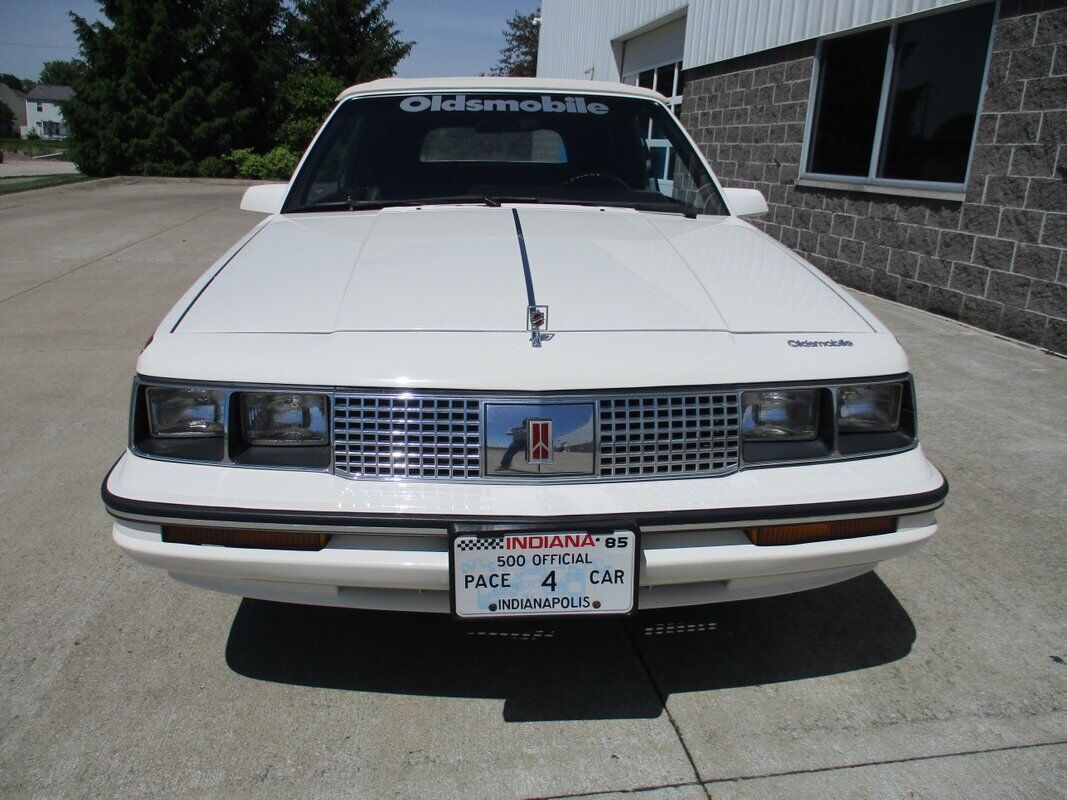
x=493 y=148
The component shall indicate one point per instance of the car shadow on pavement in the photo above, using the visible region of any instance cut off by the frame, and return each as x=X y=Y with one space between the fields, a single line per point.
x=575 y=669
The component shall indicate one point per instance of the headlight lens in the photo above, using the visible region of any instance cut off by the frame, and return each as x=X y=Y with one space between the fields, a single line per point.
x=184 y=412
x=284 y=419
x=780 y=416
x=874 y=408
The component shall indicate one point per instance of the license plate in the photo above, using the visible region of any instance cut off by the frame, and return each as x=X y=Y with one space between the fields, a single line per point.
x=543 y=574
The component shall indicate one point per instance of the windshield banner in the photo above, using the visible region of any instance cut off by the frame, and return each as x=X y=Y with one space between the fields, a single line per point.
x=460 y=102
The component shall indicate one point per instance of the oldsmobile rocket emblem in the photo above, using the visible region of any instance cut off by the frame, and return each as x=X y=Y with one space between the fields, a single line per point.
x=538 y=441
x=537 y=324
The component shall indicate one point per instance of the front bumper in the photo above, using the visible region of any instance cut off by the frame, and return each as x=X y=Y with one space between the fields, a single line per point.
x=389 y=548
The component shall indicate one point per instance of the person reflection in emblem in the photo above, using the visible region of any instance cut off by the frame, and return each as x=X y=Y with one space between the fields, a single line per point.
x=518 y=445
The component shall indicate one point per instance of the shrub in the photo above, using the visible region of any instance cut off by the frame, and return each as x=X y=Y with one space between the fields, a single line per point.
x=280 y=163
x=215 y=167
x=165 y=169
x=276 y=165
x=7 y=121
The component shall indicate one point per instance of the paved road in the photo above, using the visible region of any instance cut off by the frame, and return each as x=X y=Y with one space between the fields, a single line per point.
x=942 y=675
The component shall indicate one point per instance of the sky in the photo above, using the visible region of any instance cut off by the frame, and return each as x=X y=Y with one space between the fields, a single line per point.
x=454 y=37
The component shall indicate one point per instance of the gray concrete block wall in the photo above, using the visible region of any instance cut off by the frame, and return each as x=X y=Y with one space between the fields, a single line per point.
x=997 y=260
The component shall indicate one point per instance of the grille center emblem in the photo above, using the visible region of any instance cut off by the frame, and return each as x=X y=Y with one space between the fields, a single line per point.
x=539 y=438
x=538 y=441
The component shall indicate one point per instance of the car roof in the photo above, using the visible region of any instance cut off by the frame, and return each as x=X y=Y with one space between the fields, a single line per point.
x=484 y=84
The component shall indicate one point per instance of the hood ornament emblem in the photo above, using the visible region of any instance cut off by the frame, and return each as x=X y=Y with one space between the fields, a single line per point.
x=537 y=324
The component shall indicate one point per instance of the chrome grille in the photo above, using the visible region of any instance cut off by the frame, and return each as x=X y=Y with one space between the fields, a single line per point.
x=396 y=436
x=642 y=436
x=668 y=434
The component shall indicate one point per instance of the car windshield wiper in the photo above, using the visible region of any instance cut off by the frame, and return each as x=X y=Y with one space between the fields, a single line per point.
x=371 y=205
x=668 y=205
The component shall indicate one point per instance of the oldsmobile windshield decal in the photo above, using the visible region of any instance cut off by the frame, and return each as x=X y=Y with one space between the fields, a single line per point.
x=460 y=102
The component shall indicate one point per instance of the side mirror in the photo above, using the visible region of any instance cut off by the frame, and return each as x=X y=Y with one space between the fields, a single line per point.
x=744 y=202
x=265 y=199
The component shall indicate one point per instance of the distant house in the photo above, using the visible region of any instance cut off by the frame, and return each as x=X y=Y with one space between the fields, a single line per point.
x=44 y=111
x=16 y=101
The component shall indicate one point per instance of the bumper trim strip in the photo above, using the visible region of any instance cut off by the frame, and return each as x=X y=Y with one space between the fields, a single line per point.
x=142 y=510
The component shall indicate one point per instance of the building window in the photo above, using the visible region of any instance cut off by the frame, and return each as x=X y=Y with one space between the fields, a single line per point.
x=899 y=104
x=667 y=80
x=40 y=106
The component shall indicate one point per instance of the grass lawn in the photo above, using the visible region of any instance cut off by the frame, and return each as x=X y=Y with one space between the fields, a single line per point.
x=33 y=147
x=23 y=183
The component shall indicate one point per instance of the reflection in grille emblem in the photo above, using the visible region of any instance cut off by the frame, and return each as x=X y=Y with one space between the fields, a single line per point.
x=538 y=441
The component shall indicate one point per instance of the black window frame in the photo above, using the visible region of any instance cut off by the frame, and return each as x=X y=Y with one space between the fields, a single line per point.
x=871 y=181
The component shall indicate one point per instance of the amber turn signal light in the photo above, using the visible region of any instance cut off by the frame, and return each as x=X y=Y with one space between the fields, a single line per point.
x=237 y=537
x=771 y=535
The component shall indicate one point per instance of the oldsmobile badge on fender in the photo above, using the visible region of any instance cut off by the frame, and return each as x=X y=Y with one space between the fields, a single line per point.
x=508 y=347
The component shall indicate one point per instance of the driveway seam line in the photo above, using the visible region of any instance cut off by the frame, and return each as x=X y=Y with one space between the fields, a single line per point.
x=858 y=765
x=890 y=761
x=108 y=255
x=633 y=790
x=667 y=711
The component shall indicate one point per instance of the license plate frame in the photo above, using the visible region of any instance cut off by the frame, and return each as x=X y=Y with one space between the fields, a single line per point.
x=633 y=533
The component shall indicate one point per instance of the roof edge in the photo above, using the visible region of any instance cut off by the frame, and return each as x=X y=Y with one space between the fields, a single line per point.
x=485 y=84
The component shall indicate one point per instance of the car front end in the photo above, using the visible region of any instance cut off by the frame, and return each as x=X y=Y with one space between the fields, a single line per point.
x=505 y=400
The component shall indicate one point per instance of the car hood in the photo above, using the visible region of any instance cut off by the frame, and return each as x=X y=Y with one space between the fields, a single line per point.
x=461 y=269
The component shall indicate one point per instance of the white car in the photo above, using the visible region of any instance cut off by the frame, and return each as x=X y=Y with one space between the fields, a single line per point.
x=506 y=347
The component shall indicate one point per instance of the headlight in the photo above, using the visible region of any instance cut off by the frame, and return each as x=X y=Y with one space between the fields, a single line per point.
x=874 y=408
x=780 y=416
x=284 y=419
x=185 y=412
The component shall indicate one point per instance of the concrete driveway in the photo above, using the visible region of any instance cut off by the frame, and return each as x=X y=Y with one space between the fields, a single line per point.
x=15 y=166
x=943 y=675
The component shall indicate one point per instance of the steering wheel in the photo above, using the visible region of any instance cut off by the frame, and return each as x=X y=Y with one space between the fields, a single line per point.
x=596 y=180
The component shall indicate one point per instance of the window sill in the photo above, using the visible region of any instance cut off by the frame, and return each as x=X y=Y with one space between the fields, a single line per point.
x=900 y=190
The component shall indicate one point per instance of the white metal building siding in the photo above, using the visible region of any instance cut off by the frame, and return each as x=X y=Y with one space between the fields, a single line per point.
x=578 y=35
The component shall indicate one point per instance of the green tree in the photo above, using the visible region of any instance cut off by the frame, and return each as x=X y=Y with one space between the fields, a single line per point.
x=248 y=56
x=62 y=73
x=173 y=87
x=170 y=83
x=352 y=40
x=305 y=97
x=141 y=100
x=15 y=82
x=518 y=59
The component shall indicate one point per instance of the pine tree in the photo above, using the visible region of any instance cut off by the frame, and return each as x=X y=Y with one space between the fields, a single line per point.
x=169 y=83
x=247 y=58
x=518 y=59
x=174 y=87
x=349 y=39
